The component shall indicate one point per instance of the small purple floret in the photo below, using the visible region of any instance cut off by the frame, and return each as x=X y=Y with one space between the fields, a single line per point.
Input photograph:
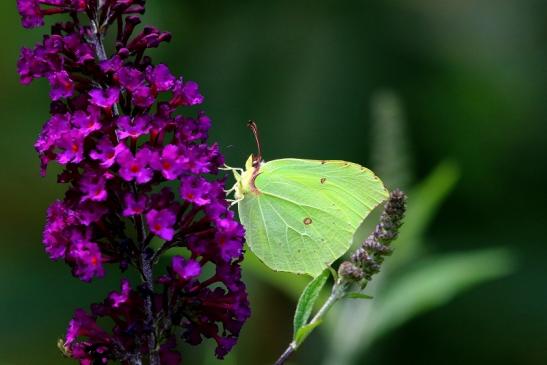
x=104 y=98
x=185 y=269
x=161 y=223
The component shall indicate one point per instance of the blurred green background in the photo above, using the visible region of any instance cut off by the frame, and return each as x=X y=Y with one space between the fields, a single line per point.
x=447 y=99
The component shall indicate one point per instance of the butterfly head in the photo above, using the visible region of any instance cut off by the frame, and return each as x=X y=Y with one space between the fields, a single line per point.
x=246 y=182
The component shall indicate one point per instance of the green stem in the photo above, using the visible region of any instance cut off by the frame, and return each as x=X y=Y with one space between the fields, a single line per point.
x=338 y=291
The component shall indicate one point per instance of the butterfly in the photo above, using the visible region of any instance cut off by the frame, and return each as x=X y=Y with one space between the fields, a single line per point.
x=301 y=215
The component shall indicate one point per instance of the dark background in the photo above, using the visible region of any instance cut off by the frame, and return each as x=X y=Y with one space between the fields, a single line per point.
x=471 y=79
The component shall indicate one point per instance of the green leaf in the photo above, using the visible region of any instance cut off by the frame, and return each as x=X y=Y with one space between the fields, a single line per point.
x=307 y=301
x=304 y=331
x=435 y=282
x=428 y=284
x=334 y=273
x=356 y=295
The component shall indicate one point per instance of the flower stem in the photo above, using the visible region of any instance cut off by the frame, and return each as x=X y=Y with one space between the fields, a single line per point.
x=285 y=356
x=146 y=261
x=149 y=285
x=338 y=291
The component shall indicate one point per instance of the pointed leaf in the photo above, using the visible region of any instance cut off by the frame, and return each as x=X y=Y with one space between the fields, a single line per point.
x=436 y=281
x=304 y=331
x=307 y=300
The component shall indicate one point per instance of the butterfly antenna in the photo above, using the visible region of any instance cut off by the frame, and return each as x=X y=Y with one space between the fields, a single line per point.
x=254 y=128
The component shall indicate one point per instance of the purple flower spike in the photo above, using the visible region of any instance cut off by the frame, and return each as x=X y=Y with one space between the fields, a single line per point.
x=126 y=143
x=161 y=223
x=104 y=98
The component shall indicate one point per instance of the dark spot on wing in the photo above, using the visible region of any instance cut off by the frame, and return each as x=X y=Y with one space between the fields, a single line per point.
x=323 y=179
x=323 y=162
x=307 y=221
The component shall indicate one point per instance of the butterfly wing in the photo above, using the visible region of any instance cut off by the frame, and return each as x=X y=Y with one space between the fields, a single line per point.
x=304 y=213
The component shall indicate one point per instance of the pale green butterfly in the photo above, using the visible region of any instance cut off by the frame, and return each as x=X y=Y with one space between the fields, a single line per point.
x=301 y=215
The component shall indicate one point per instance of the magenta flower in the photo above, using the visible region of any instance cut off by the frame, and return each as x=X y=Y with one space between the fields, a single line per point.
x=135 y=167
x=61 y=85
x=185 y=269
x=195 y=189
x=57 y=126
x=91 y=212
x=186 y=93
x=117 y=299
x=143 y=97
x=161 y=223
x=133 y=127
x=87 y=123
x=93 y=187
x=104 y=98
x=105 y=152
x=168 y=162
x=30 y=13
x=72 y=148
x=129 y=78
x=160 y=77
x=83 y=325
x=86 y=260
x=134 y=206
x=57 y=230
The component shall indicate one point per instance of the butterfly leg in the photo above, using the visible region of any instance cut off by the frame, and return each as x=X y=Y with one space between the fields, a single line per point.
x=234 y=201
x=233 y=169
x=233 y=188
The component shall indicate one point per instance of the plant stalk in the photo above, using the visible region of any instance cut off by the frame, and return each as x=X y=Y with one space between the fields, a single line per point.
x=145 y=262
x=338 y=291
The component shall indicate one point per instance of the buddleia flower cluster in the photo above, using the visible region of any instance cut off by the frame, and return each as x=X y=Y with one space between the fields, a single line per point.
x=141 y=179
